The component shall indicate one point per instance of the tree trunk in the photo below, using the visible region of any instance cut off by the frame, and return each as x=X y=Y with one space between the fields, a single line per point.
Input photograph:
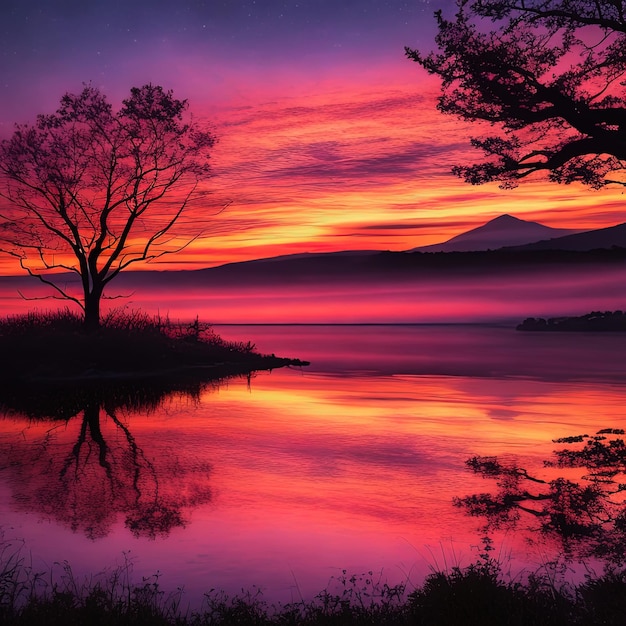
x=92 y=310
x=92 y=417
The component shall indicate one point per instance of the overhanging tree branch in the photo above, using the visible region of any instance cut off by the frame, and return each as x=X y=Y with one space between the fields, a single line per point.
x=550 y=74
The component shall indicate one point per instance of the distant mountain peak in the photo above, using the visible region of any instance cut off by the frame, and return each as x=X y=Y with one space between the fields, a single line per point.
x=505 y=217
x=506 y=221
x=501 y=231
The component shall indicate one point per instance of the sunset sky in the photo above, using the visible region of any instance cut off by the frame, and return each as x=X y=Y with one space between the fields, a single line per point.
x=328 y=136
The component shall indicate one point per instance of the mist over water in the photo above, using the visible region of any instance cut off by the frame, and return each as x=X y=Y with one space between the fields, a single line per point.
x=485 y=296
x=451 y=299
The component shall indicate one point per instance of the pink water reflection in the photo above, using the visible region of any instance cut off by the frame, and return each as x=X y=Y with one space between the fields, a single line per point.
x=340 y=466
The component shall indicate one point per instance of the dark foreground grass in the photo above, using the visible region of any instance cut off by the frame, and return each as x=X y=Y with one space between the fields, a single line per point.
x=43 y=347
x=476 y=595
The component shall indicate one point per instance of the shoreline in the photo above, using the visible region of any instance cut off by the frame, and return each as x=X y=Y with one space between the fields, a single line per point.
x=594 y=322
x=217 y=371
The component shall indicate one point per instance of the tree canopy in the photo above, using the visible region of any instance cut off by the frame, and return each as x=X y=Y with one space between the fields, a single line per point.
x=91 y=191
x=550 y=75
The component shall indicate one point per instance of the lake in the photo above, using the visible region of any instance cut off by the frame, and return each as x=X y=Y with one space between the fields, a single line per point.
x=286 y=479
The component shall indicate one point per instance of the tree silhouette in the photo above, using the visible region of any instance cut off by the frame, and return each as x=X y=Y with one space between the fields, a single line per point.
x=91 y=190
x=105 y=473
x=585 y=510
x=549 y=74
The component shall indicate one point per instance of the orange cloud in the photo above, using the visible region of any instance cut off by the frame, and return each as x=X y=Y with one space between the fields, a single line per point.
x=327 y=169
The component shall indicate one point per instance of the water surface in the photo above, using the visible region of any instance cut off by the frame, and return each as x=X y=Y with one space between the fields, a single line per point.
x=288 y=478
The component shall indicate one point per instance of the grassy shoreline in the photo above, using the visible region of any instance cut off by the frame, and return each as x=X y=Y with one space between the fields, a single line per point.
x=51 y=348
x=476 y=595
x=53 y=369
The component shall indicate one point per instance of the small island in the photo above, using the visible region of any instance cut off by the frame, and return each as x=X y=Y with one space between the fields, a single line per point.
x=596 y=321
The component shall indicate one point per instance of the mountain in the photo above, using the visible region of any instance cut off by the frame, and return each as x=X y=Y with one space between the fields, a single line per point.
x=500 y=232
x=311 y=255
x=481 y=249
x=602 y=238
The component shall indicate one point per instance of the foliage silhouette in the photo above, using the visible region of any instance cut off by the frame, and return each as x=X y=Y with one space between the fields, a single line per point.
x=585 y=510
x=91 y=191
x=549 y=74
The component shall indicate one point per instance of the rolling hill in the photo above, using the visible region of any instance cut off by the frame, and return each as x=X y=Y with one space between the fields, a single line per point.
x=600 y=239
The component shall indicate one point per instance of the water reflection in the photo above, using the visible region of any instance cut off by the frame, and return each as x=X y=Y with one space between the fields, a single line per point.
x=577 y=502
x=460 y=351
x=77 y=461
x=351 y=463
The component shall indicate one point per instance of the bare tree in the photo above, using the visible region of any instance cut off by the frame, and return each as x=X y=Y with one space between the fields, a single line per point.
x=90 y=190
x=549 y=74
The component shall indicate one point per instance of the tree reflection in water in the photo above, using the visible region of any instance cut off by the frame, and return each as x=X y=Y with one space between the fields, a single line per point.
x=105 y=473
x=584 y=509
